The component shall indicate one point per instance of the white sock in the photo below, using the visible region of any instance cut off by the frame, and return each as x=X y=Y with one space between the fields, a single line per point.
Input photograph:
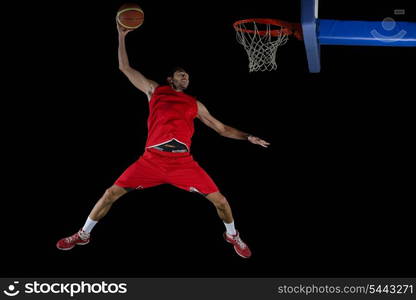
x=89 y=225
x=230 y=228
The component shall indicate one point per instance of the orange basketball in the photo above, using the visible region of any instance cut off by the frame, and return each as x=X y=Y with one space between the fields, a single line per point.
x=130 y=16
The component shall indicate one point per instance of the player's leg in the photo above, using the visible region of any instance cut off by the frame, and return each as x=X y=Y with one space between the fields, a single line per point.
x=140 y=174
x=103 y=205
x=222 y=206
x=231 y=235
x=101 y=208
x=191 y=177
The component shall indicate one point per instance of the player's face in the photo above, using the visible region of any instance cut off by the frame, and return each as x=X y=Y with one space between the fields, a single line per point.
x=180 y=80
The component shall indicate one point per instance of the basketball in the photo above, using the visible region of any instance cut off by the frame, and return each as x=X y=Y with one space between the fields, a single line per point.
x=130 y=16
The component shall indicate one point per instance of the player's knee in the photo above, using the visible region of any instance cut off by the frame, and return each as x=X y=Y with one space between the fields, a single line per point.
x=111 y=195
x=221 y=202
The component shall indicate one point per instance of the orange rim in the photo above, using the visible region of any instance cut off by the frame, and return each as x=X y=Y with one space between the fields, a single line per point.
x=285 y=27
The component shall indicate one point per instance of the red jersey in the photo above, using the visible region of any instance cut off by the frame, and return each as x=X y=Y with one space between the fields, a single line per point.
x=171 y=116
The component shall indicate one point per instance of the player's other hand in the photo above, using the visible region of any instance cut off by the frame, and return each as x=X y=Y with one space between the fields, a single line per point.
x=258 y=141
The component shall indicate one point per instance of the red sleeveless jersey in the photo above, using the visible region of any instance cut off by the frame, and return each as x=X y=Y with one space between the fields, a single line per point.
x=171 y=116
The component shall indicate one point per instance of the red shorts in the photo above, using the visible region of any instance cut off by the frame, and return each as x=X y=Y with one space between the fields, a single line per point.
x=156 y=167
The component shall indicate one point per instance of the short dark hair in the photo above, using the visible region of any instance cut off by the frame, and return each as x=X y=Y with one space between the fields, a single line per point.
x=175 y=69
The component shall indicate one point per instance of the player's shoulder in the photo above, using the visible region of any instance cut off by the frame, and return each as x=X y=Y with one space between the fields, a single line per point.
x=201 y=107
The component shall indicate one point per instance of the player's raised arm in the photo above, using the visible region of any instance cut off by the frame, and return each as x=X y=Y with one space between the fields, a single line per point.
x=225 y=130
x=147 y=86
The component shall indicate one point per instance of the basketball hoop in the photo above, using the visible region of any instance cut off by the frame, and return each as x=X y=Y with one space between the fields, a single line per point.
x=261 y=38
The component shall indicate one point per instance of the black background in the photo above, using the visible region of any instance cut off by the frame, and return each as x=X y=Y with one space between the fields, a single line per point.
x=331 y=196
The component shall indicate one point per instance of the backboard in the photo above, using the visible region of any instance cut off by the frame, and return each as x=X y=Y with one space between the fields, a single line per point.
x=317 y=32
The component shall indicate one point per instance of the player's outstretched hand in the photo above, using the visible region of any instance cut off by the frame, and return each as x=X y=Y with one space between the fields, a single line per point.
x=258 y=141
x=121 y=30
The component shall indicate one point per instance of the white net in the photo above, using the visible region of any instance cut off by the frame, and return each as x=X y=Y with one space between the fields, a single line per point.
x=261 y=45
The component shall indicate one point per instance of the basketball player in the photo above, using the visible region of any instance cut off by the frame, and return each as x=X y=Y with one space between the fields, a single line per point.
x=167 y=157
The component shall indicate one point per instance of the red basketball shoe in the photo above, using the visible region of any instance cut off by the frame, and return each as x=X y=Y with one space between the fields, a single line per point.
x=239 y=246
x=79 y=238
